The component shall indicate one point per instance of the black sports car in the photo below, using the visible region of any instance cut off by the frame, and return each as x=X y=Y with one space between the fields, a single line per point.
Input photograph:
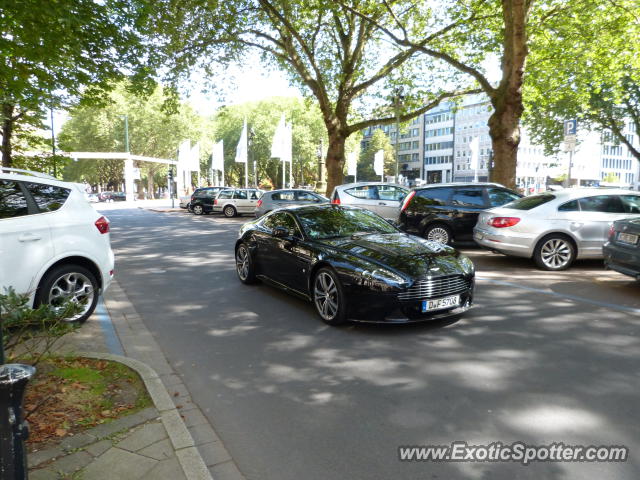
x=352 y=264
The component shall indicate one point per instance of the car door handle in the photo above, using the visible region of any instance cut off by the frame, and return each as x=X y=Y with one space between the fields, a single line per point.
x=381 y=203
x=29 y=237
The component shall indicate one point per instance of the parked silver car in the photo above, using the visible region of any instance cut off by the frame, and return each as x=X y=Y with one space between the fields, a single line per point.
x=555 y=228
x=379 y=197
x=286 y=198
x=236 y=201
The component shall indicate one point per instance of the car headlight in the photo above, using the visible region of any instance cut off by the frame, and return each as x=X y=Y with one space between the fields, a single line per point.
x=386 y=277
x=466 y=264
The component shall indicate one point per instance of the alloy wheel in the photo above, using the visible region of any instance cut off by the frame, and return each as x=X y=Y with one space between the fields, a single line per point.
x=72 y=287
x=556 y=253
x=229 y=212
x=439 y=235
x=325 y=295
x=198 y=210
x=242 y=262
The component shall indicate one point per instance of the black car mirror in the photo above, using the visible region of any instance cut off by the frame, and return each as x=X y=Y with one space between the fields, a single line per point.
x=280 y=232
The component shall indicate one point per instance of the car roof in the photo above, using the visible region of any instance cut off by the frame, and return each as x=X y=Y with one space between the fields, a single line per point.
x=364 y=184
x=37 y=179
x=570 y=193
x=460 y=184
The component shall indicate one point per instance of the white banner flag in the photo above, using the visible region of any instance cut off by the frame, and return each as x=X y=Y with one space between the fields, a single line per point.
x=352 y=164
x=378 y=162
x=474 y=146
x=241 y=150
x=217 y=162
x=194 y=158
x=184 y=153
x=277 y=145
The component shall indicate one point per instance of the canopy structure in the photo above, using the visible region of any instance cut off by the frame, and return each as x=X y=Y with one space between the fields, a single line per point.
x=128 y=165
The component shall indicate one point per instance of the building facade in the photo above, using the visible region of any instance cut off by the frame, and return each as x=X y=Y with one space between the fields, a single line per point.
x=437 y=148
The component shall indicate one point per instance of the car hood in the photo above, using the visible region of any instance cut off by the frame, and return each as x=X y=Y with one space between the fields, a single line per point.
x=404 y=253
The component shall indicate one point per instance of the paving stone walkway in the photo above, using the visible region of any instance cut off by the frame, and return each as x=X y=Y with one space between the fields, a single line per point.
x=133 y=447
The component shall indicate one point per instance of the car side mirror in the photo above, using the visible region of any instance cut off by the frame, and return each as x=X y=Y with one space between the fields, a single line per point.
x=280 y=232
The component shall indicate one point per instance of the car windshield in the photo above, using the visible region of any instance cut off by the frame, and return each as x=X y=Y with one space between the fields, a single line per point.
x=337 y=222
x=528 y=203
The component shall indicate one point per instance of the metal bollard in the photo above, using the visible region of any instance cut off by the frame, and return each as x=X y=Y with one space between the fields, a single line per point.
x=14 y=430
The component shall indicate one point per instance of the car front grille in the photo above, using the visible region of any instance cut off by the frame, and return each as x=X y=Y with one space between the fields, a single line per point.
x=435 y=287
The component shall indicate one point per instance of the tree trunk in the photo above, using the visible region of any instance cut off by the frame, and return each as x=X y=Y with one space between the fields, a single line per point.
x=504 y=123
x=7 y=132
x=505 y=137
x=335 y=160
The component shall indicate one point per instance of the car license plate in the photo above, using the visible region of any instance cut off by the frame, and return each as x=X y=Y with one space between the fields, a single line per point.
x=628 y=238
x=440 y=303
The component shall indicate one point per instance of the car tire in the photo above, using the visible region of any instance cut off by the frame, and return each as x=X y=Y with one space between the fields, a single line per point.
x=62 y=283
x=229 y=211
x=244 y=265
x=198 y=210
x=438 y=232
x=555 y=252
x=328 y=297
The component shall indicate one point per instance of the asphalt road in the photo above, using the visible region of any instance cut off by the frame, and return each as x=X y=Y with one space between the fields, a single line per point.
x=542 y=358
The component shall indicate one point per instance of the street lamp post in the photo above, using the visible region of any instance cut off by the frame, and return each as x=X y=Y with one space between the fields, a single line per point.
x=397 y=99
x=321 y=185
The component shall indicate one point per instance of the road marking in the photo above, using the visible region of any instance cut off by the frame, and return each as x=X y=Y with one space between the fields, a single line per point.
x=574 y=298
x=110 y=336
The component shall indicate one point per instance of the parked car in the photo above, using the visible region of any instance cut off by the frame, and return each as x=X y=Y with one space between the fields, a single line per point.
x=622 y=250
x=447 y=212
x=112 y=196
x=201 y=200
x=184 y=201
x=93 y=197
x=379 y=197
x=54 y=246
x=352 y=264
x=555 y=228
x=287 y=198
x=236 y=201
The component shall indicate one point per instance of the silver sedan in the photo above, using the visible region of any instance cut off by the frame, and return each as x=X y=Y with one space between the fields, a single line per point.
x=555 y=228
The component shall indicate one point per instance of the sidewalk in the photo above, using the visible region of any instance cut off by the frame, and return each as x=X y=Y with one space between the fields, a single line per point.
x=172 y=441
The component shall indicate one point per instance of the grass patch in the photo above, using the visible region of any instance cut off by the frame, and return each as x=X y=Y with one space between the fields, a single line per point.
x=70 y=394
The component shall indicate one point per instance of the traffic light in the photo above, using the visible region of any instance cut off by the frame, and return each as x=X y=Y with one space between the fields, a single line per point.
x=170 y=174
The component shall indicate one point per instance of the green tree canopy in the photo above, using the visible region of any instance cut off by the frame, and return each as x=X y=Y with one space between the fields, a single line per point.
x=51 y=52
x=336 y=57
x=262 y=119
x=586 y=66
x=152 y=132
x=379 y=141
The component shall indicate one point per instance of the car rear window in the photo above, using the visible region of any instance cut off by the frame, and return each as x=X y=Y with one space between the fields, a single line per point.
x=499 y=196
x=434 y=196
x=366 y=192
x=283 y=196
x=529 y=203
x=602 y=203
x=48 y=197
x=631 y=203
x=225 y=194
x=468 y=197
x=12 y=201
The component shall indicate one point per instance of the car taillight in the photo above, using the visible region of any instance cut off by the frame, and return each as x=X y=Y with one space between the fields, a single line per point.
x=612 y=232
x=215 y=201
x=336 y=199
x=407 y=200
x=259 y=204
x=102 y=224
x=502 y=222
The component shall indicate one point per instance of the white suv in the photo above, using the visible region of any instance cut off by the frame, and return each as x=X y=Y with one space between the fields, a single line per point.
x=54 y=246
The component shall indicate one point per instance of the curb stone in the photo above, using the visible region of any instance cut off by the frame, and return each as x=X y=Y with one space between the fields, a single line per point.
x=190 y=460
